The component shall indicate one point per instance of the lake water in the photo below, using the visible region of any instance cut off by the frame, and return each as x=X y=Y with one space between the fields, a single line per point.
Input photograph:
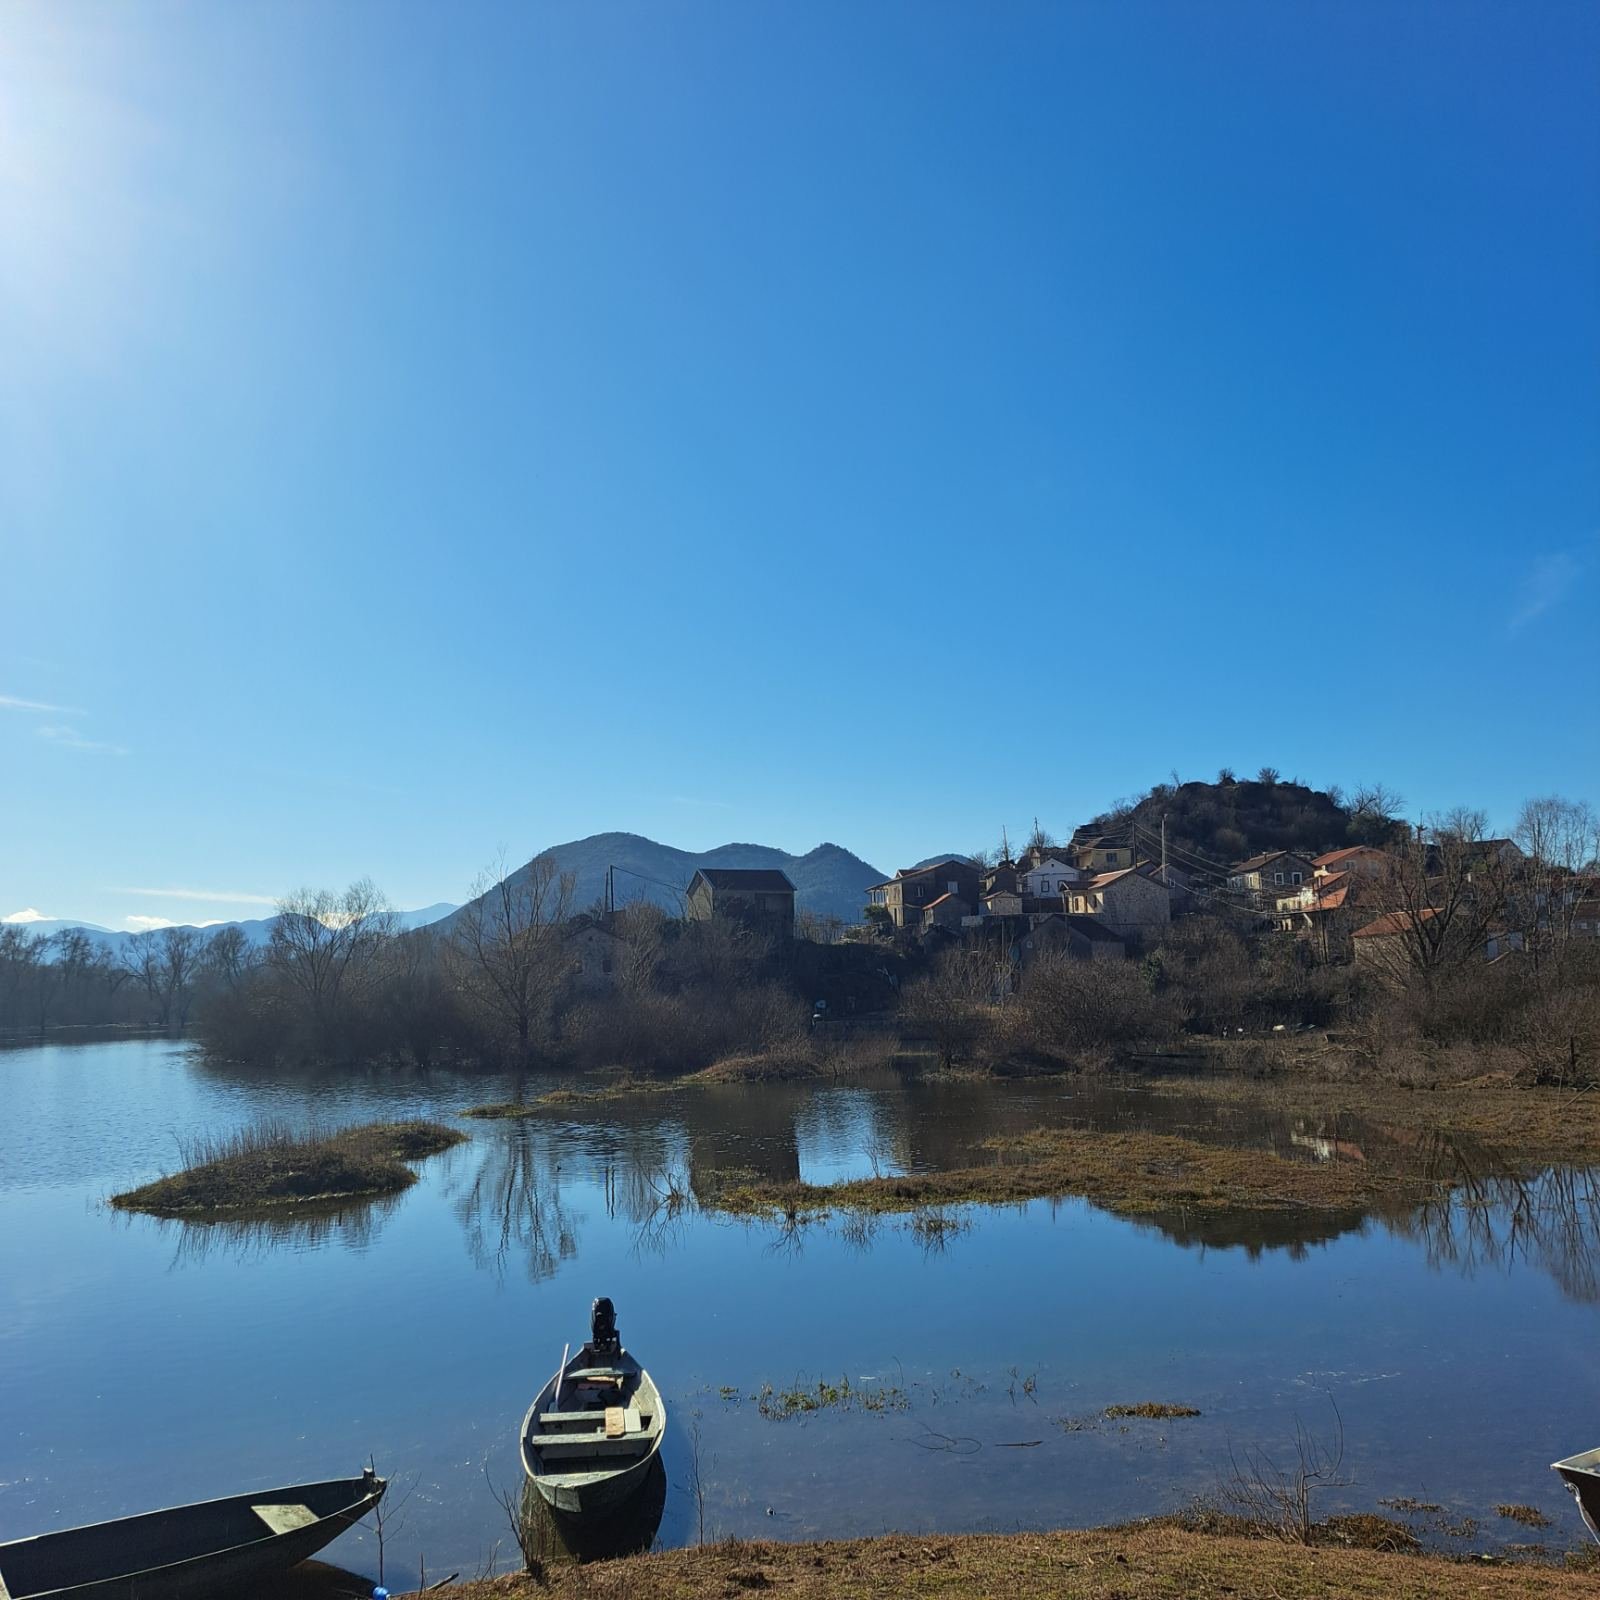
x=145 y=1362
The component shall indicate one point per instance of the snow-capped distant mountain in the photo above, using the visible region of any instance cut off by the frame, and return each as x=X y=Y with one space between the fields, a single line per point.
x=257 y=930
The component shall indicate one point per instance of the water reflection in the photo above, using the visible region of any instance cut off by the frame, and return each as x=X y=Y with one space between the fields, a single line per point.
x=1551 y=1222
x=660 y=1161
x=351 y=1225
x=513 y=1206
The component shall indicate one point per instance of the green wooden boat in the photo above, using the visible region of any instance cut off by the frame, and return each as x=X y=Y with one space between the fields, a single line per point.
x=215 y=1547
x=590 y=1436
x=1581 y=1474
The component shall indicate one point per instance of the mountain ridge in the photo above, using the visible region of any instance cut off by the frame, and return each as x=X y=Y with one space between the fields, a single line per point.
x=829 y=880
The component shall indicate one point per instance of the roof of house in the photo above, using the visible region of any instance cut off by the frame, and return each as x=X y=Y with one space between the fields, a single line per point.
x=1101 y=879
x=1256 y=862
x=1393 y=922
x=764 y=878
x=1097 y=932
x=942 y=899
x=906 y=874
x=1348 y=853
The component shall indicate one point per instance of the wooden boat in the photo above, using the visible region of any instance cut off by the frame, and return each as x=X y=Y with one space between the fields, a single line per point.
x=590 y=1437
x=1581 y=1474
x=213 y=1547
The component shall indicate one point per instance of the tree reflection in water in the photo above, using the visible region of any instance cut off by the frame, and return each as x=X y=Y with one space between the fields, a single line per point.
x=1550 y=1221
x=662 y=1173
x=513 y=1207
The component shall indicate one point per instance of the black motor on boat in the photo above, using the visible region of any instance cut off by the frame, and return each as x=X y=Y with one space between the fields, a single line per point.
x=603 y=1338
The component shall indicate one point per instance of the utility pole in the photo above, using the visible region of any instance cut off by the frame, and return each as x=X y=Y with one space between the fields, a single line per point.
x=1164 y=877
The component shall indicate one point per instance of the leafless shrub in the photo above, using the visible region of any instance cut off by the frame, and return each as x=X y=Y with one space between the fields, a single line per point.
x=1278 y=1499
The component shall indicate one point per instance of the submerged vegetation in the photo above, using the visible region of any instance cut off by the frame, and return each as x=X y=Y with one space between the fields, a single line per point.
x=778 y=1405
x=271 y=1165
x=1154 y=1409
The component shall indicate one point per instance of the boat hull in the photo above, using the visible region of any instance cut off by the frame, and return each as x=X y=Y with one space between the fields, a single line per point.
x=585 y=1485
x=1581 y=1474
x=607 y=1493
x=145 y=1557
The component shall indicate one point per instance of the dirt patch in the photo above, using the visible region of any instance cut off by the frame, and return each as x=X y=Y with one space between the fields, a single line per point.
x=1152 y=1409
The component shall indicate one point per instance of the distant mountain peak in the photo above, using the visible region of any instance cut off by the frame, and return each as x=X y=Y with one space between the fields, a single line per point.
x=829 y=880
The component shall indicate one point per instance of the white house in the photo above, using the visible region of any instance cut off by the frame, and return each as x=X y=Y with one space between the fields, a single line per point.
x=1049 y=878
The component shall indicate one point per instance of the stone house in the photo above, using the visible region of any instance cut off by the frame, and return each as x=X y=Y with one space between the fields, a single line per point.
x=908 y=894
x=1266 y=876
x=762 y=898
x=595 y=954
x=1360 y=860
x=1083 y=938
x=1130 y=904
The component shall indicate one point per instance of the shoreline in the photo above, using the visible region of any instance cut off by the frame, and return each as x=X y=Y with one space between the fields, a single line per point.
x=1139 y=1561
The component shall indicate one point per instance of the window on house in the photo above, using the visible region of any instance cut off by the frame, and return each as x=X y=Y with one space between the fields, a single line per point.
x=1277 y=877
x=1111 y=858
x=605 y=966
x=1294 y=877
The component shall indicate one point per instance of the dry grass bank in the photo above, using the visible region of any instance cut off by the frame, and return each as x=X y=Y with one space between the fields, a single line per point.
x=269 y=1165
x=1155 y=1562
x=1127 y=1172
x=1535 y=1125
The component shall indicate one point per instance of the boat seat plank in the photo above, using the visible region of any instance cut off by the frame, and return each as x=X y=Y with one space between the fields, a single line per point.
x=578 y=1374
x=565 y=1419
x=553 y=1446
x=285 y=1519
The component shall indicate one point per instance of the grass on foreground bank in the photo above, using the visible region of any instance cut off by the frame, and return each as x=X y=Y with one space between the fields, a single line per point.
x=271 y=1165
x=1143 y=1562
x=1131 y=1173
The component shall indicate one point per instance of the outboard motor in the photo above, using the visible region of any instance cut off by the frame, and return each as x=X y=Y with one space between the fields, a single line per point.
x=603 y=1340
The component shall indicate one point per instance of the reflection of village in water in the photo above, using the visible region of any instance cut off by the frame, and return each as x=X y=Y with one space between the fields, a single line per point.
x=659 y=1161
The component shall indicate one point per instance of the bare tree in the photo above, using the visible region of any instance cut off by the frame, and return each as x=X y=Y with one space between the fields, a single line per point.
x=1374 y=810
x=949 y=1005
x=1560 y=840
x=1442 y=894
x=506 y=946
x=642 y=929
x=228 y=957
x=325 y=944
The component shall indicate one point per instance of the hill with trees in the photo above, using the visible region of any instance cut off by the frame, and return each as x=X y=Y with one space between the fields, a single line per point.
x=1233 y=819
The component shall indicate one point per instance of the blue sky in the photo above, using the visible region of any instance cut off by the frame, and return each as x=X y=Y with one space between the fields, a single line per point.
x=430 y=429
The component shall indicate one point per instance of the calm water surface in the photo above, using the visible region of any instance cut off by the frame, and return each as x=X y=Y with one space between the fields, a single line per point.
x=145 y=1362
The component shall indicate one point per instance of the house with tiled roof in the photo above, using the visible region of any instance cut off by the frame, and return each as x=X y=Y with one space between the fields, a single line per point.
x=908 y=894
x=1130 y=903
x=1263 y=876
